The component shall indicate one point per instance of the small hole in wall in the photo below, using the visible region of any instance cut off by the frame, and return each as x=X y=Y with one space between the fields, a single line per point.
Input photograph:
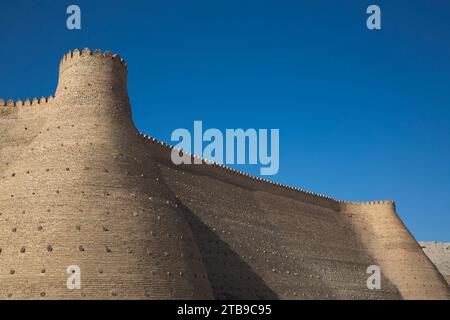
x=43 y=271
x=49 y=248
x=42 y=294
x=81 y=248
x=39 y=228
x=12 y=271
x=22 y=250
x=107 y=249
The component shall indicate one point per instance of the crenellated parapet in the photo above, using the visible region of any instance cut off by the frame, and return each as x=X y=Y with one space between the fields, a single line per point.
x=91 y=77
x=10 y=106
x=368 y=203
x=80 y=66
x=86 y=78
x=72 y=56
x=226 y=168
x=10 y=103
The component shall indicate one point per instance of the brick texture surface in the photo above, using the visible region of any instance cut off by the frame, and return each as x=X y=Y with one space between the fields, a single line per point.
x=81 y=186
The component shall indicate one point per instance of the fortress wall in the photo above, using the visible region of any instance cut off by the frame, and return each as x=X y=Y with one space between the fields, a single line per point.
x=358 y=224
x=84 y=192
x=20 y=122
x=395 y=250
x=79 y=185
x=262 y=240
x=162 y=152
x=258 y=244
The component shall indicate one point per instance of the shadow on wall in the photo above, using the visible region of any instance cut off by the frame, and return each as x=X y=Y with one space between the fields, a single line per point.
x=319 y=257
x=229 y=275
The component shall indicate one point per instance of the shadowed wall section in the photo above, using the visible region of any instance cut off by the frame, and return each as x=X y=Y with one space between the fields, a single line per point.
x=298 y=249
x=80 y=186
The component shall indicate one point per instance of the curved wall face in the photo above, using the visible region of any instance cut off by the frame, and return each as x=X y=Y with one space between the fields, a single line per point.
x=260 y=241
x=93 y=78
x=82 y=191
x=79 y=186
x=395 y=250
x=297 y=245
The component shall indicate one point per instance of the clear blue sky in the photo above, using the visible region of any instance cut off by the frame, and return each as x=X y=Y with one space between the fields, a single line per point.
x=363 y=115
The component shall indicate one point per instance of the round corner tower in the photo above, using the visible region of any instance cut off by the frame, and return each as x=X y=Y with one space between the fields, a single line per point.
x=97 y=81
x=84 y=191
x=86 y=75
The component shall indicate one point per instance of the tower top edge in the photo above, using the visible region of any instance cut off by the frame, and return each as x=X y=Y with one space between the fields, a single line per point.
x=86 y=52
